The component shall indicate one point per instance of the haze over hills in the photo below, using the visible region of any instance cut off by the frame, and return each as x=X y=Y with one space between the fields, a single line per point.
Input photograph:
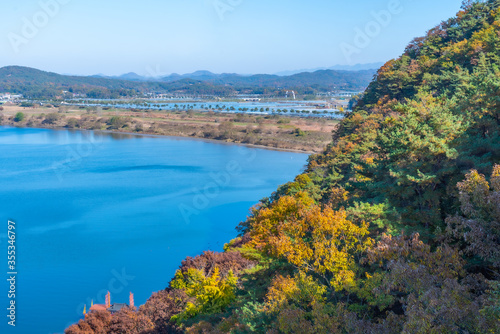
x=33 y=83
x=207 y=75
x=357 y=67
x=327 y=78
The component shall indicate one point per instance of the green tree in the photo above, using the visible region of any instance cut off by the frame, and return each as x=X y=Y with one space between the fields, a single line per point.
x=416 y=157
x=19 y=117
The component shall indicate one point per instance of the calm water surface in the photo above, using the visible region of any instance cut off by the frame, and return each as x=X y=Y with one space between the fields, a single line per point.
x=97 y=212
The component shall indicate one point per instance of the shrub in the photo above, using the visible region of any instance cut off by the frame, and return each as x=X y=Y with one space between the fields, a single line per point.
x=51 y=119
x=211 y=293
x=299 y=133
x=161 y=306
x=139 y=127
x=73 y=123
x=116 y=122
x=19 y=117
x=226 y=261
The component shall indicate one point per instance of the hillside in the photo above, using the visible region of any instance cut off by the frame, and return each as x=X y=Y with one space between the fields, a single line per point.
x=394 y=228
x=326 y=79
x=36 y=84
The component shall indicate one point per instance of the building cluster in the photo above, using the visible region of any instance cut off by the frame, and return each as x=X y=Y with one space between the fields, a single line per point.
x=339 y=103
x=8 y=97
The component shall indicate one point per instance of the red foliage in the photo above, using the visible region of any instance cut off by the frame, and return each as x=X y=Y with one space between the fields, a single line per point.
x=127 y=321
x=95 y=322
x=161 y=306
x=226 y=261
x=413 y=49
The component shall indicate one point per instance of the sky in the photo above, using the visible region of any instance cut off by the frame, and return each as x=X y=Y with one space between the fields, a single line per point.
x=159 y=37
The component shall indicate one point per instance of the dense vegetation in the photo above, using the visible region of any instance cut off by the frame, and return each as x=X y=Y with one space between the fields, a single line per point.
x=35 y=84
x=394 y=228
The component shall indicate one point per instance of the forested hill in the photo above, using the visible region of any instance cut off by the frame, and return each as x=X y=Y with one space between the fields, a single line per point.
x=36 y=84
x=395 y=228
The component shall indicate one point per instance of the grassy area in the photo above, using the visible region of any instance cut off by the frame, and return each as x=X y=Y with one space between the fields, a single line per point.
x=280 y=132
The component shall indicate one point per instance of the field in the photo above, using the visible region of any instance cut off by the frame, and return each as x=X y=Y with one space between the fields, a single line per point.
x=279 y=132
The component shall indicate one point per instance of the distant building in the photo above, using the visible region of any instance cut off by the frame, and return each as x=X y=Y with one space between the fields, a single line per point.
x=337 y=104
x=112 y=308
x=346 y=94
x=116 y=307
x=249 y=97
x=9 y=97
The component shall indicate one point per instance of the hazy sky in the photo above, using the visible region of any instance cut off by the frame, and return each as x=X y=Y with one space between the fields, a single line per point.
x=157 y=37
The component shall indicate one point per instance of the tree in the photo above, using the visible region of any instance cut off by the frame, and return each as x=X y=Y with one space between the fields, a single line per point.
x=479 y=225
x=161 y=306
x=19 y=117
x=320 y=242
x=73 y=123
x=211 y=293
x=431 y=288
x=127 y=321
x=94 y=323
x=116 y=122
x=51 y=119
x=416 y=156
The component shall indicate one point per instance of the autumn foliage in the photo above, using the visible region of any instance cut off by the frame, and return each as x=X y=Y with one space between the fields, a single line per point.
x=394 y=228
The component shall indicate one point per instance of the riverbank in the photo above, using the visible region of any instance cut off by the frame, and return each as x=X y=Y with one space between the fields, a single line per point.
x=295 y=134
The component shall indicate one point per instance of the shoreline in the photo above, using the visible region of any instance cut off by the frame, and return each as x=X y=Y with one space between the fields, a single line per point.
x=207 y=140
x=278 y=133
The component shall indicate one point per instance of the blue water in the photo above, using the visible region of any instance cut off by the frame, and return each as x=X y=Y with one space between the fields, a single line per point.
x=97 y=212
x=230 y=107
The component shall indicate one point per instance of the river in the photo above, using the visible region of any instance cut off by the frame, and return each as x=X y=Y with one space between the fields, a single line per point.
x=98 y=211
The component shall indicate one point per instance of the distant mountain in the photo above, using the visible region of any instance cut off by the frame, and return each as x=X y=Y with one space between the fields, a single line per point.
x=355 y=80
x=198 y=75
x=132 y=76
x=207 y=75
x=357 y=67
x=18 y=75
x=34 y=83
x=325 y=78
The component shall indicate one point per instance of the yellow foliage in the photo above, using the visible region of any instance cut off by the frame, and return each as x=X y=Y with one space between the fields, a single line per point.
x=280 y=291
x=321 y=241
x=302 y=289
x=495 y=178
x=476 y=184
x=212 y=293
x=336 y=196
